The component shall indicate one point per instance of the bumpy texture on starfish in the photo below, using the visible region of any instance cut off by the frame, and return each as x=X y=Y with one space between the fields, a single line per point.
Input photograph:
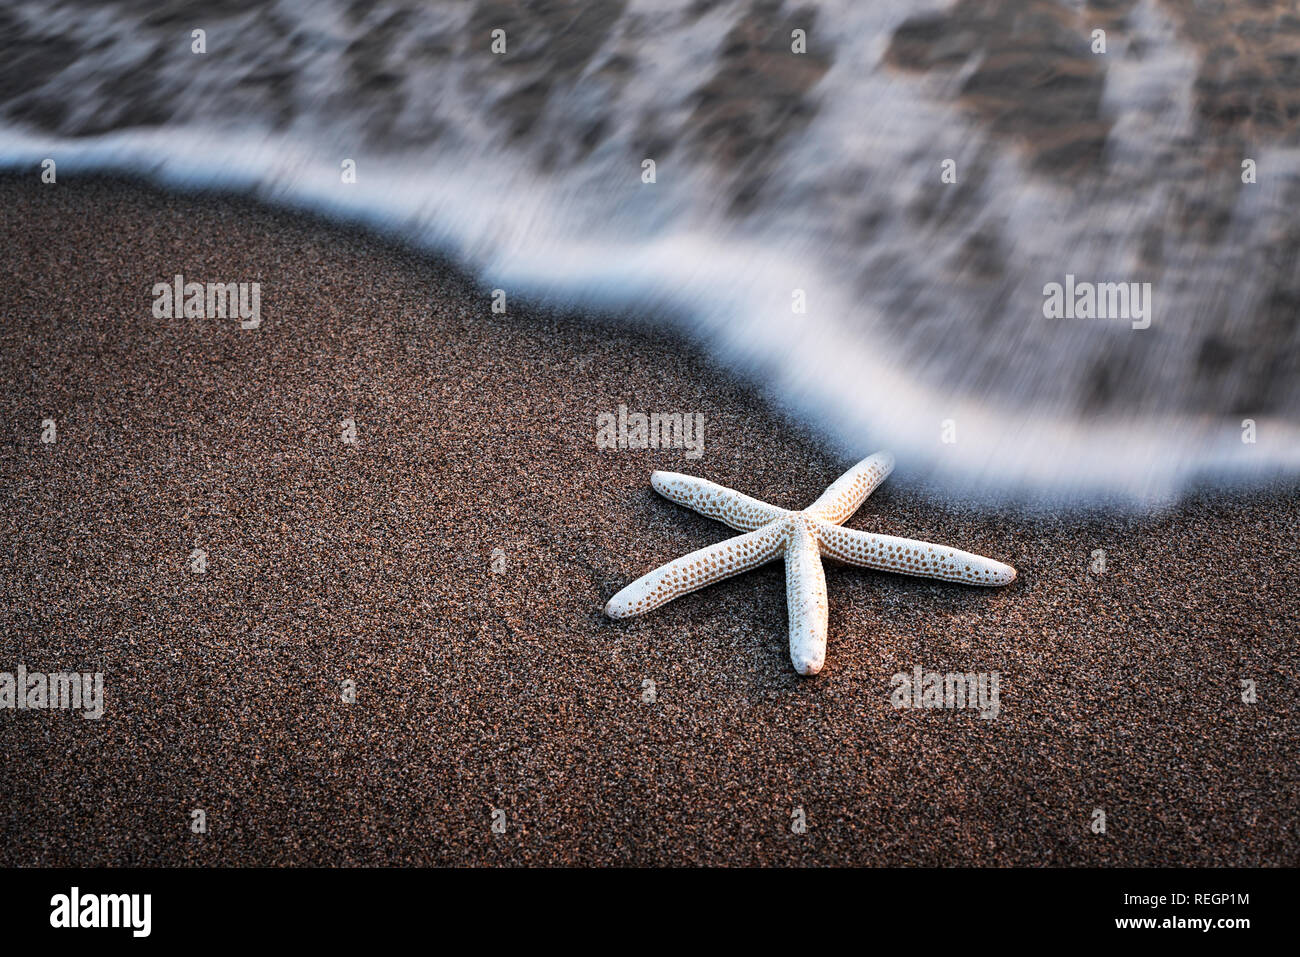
x=802 y=538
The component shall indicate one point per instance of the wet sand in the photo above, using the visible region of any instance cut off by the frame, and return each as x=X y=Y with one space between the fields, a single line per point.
x=482 y=689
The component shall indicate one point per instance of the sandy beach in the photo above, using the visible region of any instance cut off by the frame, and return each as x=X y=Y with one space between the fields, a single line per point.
x=487 y=684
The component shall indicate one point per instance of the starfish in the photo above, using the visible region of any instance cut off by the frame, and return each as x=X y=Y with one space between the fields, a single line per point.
x=802 y=538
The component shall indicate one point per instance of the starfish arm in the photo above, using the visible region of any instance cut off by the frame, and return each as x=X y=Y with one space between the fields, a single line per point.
x=733 y=508
x=851 y=489
x=693 y=571
x=910 y=557
x=805 y=602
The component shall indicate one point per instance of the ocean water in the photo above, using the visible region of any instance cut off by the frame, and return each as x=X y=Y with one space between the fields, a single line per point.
x=782 y=178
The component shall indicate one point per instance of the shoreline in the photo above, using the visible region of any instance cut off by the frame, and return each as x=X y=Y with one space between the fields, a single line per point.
x=482 y=689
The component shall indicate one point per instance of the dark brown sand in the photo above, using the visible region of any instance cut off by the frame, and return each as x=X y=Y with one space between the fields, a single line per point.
x=477 y=690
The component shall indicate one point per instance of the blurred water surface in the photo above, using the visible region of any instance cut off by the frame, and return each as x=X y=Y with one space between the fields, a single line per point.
x=776 y=172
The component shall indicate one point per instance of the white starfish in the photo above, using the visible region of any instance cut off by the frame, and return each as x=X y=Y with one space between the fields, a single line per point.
x=802 y=538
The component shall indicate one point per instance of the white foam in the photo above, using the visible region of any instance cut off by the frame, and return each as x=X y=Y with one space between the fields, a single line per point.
x=843 y=216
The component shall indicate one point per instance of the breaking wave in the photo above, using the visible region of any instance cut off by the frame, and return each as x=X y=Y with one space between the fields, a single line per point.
x=780 y=179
